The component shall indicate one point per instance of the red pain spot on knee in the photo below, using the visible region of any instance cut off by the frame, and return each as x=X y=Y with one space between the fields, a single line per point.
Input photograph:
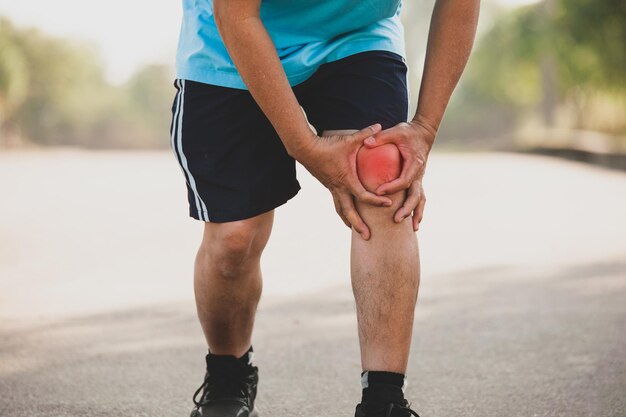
x=376 y=166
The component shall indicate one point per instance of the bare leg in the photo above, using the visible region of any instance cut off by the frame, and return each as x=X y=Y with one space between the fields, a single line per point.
x=227 y=281
x=385 y=280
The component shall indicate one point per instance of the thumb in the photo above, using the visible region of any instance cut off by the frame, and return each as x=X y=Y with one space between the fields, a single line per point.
x=381 y=138
x=365 y=133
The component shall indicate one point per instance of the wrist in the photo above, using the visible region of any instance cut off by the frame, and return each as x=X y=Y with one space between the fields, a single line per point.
x=428 y=123
x=300 y=140
x=427 y=127
x=300 y=146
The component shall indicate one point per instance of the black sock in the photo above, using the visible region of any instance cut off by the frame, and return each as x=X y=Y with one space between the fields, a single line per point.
x=382 y=386
x=246 y=359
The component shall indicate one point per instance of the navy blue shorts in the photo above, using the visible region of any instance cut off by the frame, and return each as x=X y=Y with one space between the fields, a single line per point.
x=234 y=163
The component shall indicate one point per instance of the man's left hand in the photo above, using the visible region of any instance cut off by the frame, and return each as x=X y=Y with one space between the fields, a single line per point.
x=414 y=141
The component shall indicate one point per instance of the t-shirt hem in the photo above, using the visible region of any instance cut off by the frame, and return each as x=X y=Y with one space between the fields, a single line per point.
x=216 y=77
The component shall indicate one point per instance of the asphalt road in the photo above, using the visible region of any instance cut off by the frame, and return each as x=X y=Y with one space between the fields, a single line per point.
x=522 y=308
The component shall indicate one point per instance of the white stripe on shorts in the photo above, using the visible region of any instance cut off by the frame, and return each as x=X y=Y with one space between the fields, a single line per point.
x=177 y=145
x=175 y=120
x=408 y=89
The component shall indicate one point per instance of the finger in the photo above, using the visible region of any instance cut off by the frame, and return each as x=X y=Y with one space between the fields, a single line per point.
x=390 y=135
x=367 y=197
x=392 y=187
x=407 y=176
x=365 y=133
x=409 y=205
x=418 y=214
x=339 y=212
x=349 y=211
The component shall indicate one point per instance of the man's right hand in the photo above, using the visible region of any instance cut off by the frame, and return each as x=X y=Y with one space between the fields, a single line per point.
x=332 y=160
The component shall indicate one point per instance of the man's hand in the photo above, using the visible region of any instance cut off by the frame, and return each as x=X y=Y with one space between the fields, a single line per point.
x=332 y=160
x=414 y=203
x=414 y=141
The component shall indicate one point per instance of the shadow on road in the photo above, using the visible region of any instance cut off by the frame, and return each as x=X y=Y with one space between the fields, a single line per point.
x=497 y=341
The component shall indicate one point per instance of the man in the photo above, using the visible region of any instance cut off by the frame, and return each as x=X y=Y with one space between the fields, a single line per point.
x=249 y=73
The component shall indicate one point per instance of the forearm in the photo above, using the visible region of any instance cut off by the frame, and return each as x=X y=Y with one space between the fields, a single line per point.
x=450 y=40
x=255 y=57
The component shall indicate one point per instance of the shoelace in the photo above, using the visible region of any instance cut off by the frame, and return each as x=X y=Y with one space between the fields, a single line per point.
x=222 y=387
x=400 y=407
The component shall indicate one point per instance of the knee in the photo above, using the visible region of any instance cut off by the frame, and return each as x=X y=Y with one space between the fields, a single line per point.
x=376 y=166
x=231 y=249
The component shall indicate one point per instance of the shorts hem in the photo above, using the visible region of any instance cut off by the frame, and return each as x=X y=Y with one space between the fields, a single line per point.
x=251 y=212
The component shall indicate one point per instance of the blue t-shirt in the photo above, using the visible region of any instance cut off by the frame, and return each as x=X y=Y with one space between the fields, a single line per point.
x=306 y=33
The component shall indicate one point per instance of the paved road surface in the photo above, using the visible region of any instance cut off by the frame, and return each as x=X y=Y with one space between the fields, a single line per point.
x=522 y=308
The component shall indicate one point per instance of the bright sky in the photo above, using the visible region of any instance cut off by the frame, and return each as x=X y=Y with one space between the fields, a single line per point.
x=128 y=33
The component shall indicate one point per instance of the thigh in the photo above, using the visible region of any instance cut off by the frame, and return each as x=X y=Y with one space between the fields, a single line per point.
x=356 y=92
x=234 y=163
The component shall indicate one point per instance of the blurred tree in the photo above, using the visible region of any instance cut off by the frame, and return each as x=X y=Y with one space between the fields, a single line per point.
x=66 y=90
x=53 y=92
x=13 y=82
x=150 y=92
x=553 y=57
x=591 y=37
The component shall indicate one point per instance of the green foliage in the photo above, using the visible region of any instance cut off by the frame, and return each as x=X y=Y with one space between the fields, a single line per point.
x=557 y=56
x=13 y=74
x=150 y=93
x=592 y=42
x=53 y=92
x=545 y=58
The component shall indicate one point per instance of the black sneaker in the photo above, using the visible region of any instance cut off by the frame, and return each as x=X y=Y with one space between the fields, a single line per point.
x=384 y=410
x=229 y=389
